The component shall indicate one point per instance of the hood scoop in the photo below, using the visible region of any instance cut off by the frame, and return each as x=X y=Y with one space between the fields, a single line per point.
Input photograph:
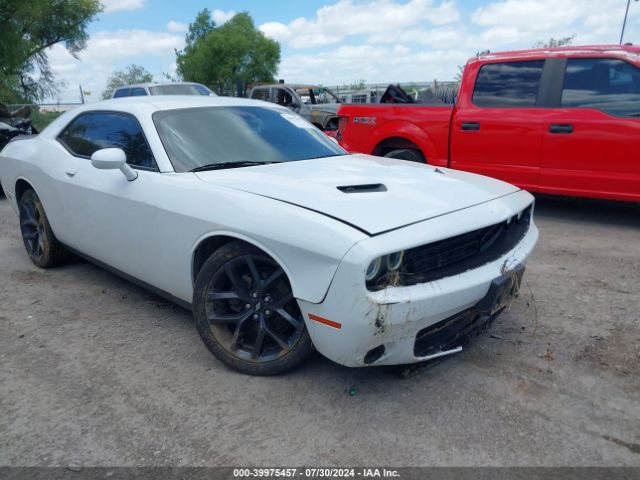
x=367 y=188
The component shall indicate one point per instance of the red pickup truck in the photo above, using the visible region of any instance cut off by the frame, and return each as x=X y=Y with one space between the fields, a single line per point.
x=562 y=121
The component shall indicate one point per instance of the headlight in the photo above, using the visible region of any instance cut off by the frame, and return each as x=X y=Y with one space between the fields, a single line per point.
x=374 y=270
x=382 y=266
x=394 y=261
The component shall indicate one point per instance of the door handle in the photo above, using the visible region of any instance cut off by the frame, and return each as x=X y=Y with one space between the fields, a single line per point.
x=561 y=128
x=470 y=126
x=71 y=172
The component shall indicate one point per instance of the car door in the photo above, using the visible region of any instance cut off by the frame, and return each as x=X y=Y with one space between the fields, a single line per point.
x=111 y=220
x=591 y=141
x=496 y=128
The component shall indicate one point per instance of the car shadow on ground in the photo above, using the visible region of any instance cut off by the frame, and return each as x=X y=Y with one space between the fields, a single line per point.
x=586 y=210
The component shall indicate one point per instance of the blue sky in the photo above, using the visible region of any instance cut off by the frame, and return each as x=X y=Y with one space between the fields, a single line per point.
x=341 y=41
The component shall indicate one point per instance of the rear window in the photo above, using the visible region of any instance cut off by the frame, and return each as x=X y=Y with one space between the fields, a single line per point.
x=606 y=84
x=508 y=85
x=195 y=137
x=180 y=89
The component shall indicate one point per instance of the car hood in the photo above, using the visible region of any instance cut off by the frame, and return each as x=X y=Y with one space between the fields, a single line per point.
x=373 y=194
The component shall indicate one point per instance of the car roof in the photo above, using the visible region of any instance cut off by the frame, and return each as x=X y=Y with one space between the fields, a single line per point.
x=145 y=106
x=629 y=51
x=290 y=85
x=154 y=103
x=156 y=84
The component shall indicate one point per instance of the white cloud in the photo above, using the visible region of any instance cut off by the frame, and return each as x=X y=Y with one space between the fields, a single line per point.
x=108 y=51
x=443 y=37
x=111 y=6
x=220 y=16
x=378 y=40
x=333 y=23
x=177 y=27
x=277 y=31
x=390 y=40
x=540 y=15
x=383 y=64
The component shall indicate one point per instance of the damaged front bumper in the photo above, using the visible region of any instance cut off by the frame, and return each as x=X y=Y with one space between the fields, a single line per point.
x=357 y=327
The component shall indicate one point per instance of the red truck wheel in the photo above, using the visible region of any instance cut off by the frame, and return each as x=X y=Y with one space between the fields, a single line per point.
x=406 y=154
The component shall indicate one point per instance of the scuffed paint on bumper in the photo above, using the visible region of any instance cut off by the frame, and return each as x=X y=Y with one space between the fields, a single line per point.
x=393 y=317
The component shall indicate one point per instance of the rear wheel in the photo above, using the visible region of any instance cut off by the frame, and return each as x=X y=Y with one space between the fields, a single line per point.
x=246 y=314
x=407 y=154
x=41 y=244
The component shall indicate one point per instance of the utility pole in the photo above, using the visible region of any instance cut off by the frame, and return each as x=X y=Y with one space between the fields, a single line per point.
x=624 y=22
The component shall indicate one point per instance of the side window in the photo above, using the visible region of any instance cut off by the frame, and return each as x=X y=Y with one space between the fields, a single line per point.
x=122 y=92
x=138 y=92
x=93 y=131
x=606 y=84
x=260 y=94
x=508 y=85
x=283 y=97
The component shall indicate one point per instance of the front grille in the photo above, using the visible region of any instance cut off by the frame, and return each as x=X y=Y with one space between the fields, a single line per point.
x=460 y=253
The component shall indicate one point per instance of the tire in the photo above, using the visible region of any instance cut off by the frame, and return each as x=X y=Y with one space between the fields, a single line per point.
x=407 y=154
x=41 y=244
x=246 y=314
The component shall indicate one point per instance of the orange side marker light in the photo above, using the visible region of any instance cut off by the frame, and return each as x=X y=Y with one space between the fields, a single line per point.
x=324 y=321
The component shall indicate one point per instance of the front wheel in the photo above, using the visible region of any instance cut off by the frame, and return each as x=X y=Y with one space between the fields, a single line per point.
x=41 y=244
x=246 y=313
x=407 y=154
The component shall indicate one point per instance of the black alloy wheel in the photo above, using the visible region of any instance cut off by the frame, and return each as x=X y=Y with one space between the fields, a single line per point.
x=41 y=244
x=246 y=312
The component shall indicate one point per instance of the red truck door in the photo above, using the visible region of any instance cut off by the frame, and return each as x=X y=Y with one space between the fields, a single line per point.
x=496 y=128
x=591 y=143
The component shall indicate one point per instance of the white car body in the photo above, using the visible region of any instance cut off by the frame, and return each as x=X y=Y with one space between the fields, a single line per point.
x=323 y=238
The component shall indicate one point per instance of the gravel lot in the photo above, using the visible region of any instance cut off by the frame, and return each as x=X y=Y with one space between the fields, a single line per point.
x=96 y=371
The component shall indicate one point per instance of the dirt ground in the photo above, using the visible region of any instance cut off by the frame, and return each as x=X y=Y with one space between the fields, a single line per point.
x=97 y=372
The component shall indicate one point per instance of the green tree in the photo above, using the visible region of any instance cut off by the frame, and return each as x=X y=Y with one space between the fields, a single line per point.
x=234 y=54
x=458 y=76
x=556 y=42
x=359 y=85
x=131 y=74
x=27 y=30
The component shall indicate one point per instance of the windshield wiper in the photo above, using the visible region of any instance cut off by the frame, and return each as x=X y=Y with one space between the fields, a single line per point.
x=220 y=166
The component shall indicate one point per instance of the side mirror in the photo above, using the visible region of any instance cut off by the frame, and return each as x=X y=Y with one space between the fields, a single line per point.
x=294 y=104
x=113 y=159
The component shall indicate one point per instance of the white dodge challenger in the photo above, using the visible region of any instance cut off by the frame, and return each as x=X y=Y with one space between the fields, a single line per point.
x=278 y=240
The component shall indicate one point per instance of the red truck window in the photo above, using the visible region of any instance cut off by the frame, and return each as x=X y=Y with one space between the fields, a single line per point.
x=606 y=84
x=508 y=85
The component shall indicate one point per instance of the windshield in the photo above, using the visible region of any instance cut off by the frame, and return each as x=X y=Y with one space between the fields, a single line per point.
x=197 y=137
x=180 y=89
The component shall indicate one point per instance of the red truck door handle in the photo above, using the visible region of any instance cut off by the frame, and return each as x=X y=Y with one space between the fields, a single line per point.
x=470 y=126
x=560 y=128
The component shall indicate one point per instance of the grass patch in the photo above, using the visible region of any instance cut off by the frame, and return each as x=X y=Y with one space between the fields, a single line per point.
x=42 y=119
